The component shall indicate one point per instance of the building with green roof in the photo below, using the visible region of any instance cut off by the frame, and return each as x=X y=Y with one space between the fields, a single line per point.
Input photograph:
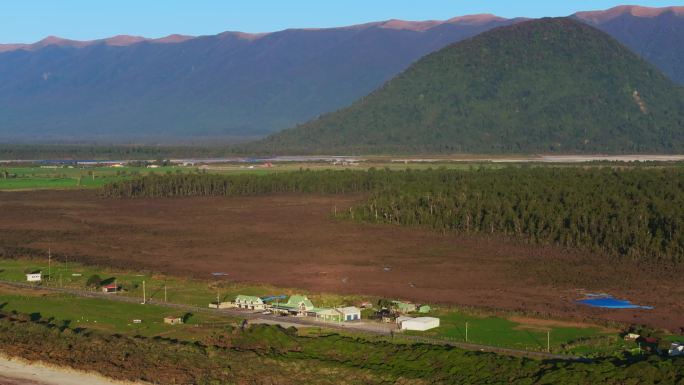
x=296 y=304
x=404 y=307
x=250 y=302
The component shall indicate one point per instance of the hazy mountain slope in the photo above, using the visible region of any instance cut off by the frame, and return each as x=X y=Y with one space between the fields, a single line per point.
x=226 y=85
x=657 y=34
x=538 y=86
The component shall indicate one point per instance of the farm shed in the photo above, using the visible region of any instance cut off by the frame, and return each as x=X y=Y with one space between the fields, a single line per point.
x=328 y=314
x=222 y=305
x=111 y=288
x=420 y=323
x=250 y=302
x=676 y=349
x=173 y=320
x=404 y=307
x=34 y=277
x=350 y=313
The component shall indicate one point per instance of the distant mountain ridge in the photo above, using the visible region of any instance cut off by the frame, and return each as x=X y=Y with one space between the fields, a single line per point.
x=126 y=40
x=233 y=85
x=656 y=34
x=221 y=87
x=118 y=41
x=547 y=85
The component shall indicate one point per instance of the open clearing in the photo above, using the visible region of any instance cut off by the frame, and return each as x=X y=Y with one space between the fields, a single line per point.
x=292 y=241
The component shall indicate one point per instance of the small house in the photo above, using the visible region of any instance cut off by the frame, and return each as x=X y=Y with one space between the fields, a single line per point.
x=222 y=305
x=404 y=307
x=173 y=320
x=631 y=337
x=111 y=288
x=327 y=314
x=676 y=349
x=34 y=277
x=424 y=309
x=137 y=321
x=649 y=344
x=350 y=313
x=249 y=302
x=296 y=304
x=420 y=323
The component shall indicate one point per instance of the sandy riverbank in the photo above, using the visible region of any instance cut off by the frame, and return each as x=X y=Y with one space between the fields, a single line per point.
x=20 y=372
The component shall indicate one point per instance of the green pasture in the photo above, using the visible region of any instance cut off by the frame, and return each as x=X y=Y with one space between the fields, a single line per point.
x=187 y=291
x=500 y=331
x=98 y=314
x=32 y=177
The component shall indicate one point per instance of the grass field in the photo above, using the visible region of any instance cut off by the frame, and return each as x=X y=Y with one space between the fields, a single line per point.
x=527 y=333
x=31 y=177
x=483 y=328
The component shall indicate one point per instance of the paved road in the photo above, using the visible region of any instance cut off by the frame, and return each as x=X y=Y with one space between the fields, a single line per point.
x=362 y=327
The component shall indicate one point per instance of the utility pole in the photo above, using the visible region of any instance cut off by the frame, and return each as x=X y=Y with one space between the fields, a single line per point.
x=49 y=265
x=466 y=331
x=218 y=299
x=164 y=292
x=144 y=296
x=548 y=341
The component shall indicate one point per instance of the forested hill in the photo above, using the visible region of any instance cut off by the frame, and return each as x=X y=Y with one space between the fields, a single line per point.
x=548 y=85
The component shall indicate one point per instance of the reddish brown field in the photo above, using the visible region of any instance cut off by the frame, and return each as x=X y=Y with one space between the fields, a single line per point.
x=292 y=241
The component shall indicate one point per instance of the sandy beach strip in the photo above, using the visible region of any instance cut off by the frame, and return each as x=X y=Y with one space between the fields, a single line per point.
x=14 y=371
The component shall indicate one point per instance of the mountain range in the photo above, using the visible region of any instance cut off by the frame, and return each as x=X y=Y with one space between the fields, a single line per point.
x=546 y=85
x=234 y=86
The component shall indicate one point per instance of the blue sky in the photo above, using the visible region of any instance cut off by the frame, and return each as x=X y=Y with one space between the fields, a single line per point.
x=25 y=21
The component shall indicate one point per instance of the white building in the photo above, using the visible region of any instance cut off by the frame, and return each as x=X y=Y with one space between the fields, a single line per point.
x=420 y=323
x=350 y=313
x=34 y=277
x=676 y=349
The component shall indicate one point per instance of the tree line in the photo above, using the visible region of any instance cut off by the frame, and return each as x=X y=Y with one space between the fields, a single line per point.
x=633 y=212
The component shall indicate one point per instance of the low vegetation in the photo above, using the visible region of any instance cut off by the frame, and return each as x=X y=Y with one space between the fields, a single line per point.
x=272 y=355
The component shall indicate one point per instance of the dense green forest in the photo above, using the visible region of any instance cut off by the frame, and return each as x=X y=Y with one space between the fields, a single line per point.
x=547 y=85
x=636 y=213
x=271 y=355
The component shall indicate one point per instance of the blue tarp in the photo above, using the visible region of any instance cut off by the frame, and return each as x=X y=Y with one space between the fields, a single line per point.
x=611 y=303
